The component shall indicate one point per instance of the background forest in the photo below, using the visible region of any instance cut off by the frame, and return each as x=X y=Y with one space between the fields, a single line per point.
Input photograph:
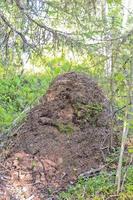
x=41 y=39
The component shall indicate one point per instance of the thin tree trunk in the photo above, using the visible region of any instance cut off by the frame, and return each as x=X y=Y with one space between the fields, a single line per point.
x=124 y=137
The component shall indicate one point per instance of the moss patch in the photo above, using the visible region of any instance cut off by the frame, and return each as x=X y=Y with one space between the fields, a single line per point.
x=65 y=128
x=88 y=112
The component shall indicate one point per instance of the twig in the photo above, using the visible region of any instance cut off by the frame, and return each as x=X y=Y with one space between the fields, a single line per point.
x=91 y=173
x=4 y=167
x=112 y=197
x=44 y=171
x=120 y=109
x=13 y=29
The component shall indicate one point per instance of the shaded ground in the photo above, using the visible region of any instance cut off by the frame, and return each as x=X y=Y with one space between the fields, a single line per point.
x=65 y=135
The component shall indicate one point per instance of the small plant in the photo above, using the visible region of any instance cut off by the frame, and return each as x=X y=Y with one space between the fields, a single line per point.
x=88 y=112
x=33 y=164
x=65 y=128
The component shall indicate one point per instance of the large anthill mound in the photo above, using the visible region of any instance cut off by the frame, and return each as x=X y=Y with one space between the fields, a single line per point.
x=62 y=137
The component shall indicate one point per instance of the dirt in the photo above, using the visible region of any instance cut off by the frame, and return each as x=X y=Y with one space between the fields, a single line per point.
x=66 y=134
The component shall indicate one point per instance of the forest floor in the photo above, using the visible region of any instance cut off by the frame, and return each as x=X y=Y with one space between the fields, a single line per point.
x=66 y=136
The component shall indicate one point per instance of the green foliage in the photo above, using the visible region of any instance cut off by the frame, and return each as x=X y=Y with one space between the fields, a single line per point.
x=99 y=187
x=129 y=180
x=18 y=93
x=88 y=112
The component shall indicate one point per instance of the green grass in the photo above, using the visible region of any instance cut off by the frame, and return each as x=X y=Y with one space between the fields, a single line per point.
x=99 y=188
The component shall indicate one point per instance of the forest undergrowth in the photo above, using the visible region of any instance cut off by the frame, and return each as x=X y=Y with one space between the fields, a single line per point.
x=19 y=93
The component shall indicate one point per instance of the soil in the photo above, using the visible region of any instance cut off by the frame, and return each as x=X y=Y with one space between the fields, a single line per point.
x=66 y=134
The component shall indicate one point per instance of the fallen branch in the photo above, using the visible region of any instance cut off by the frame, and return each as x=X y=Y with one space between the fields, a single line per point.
x=91 y=173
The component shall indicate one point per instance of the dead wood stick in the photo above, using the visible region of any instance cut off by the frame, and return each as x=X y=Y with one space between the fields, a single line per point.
x=92 y=172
